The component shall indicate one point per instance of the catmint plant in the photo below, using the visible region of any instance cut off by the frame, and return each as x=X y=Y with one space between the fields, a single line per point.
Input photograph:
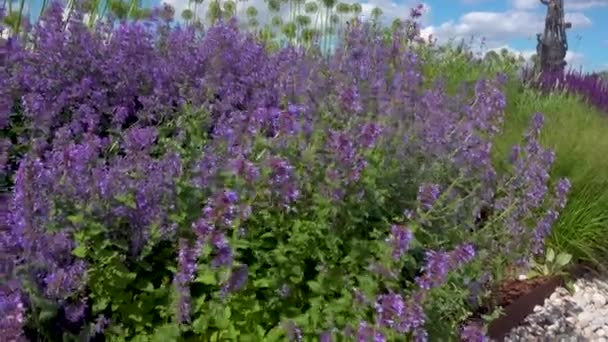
x=230 y=191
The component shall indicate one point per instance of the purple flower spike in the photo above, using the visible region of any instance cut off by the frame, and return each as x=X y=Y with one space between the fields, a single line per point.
x=428 y=194
x=400 y=240
x=472 y=333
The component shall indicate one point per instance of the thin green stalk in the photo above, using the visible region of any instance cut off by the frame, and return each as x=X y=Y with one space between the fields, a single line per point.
x=42 y=7
x=18 y=24
x=93 y=13
x=132 y=7
x=70 y=6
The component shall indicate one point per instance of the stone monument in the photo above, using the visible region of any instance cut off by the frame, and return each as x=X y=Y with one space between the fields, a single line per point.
x=552 y=45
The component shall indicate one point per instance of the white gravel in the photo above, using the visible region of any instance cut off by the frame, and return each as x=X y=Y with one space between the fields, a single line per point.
x=582 y=316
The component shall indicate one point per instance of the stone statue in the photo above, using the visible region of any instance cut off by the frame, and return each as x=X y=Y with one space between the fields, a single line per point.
x=552 y=45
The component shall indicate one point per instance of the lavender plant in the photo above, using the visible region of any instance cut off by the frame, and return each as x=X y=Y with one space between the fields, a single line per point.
x=175 y=185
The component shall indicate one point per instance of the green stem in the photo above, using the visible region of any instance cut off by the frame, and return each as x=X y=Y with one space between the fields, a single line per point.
x=18 y=24
x=42 y=7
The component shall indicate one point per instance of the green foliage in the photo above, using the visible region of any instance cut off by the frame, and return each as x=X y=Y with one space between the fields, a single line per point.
x=552 y=265
x=135 y=292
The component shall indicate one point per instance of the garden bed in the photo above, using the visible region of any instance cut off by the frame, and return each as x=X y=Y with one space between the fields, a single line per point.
x=518 y=298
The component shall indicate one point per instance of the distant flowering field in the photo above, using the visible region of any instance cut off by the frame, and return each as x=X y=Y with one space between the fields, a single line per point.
x=590 y=87
x=174 y=184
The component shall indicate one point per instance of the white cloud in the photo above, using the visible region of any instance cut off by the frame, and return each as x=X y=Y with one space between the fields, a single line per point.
x=574 y=5
x=574 y=59
x=497 y=28
x=584 y=4
x=525 y=4
x=578 y=20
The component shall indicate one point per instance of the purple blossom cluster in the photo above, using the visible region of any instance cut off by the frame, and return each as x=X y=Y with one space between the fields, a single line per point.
x=13 y=312
x=527 y=191
x=107 y=140
x=592 y=87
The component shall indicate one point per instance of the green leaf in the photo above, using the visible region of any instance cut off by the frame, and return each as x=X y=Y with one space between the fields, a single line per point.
x=315 y=286
x=100 y=304
x=206 y=277
x=223 y=321
x=76 y=219
x=47 y=314
x=127 y=199
x=275 y=334
x=166 y=333
x=550 y=255
x=200 y=325
x=80 y=251
x=261 y=283
x=563 y=259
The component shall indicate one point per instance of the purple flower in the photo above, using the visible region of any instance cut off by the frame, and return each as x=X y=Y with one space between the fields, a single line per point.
x=237 y=280
x=538 y=120
x=561 y=192
x=294 y=333
x=472 y=333
x=283 y=180
x=74 y=312
x=428 y=194
x=462 y=254
x=101 y=324
x=394 y=312
x=367 y=333
x=188 y=254
x=245 y=169
x=369 y=134
x=542 y=230
x=437 y=265
x=203 y=228
x=230 y=197
x=63 y=282
x=400 y=240
x=350 y=101
x=284 y=290
x=13 y=314
x=326 y=336
x=223 y=251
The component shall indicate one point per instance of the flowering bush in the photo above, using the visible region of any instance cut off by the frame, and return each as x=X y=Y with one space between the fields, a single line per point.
x=172 y=184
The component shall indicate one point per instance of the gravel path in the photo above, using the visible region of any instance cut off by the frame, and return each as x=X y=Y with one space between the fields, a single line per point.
x=582 y=316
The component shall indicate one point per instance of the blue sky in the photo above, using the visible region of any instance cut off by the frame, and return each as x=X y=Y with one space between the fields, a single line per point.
x=510 y=24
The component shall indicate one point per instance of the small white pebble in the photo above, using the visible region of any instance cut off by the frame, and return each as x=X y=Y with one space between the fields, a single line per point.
x=598 y=299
